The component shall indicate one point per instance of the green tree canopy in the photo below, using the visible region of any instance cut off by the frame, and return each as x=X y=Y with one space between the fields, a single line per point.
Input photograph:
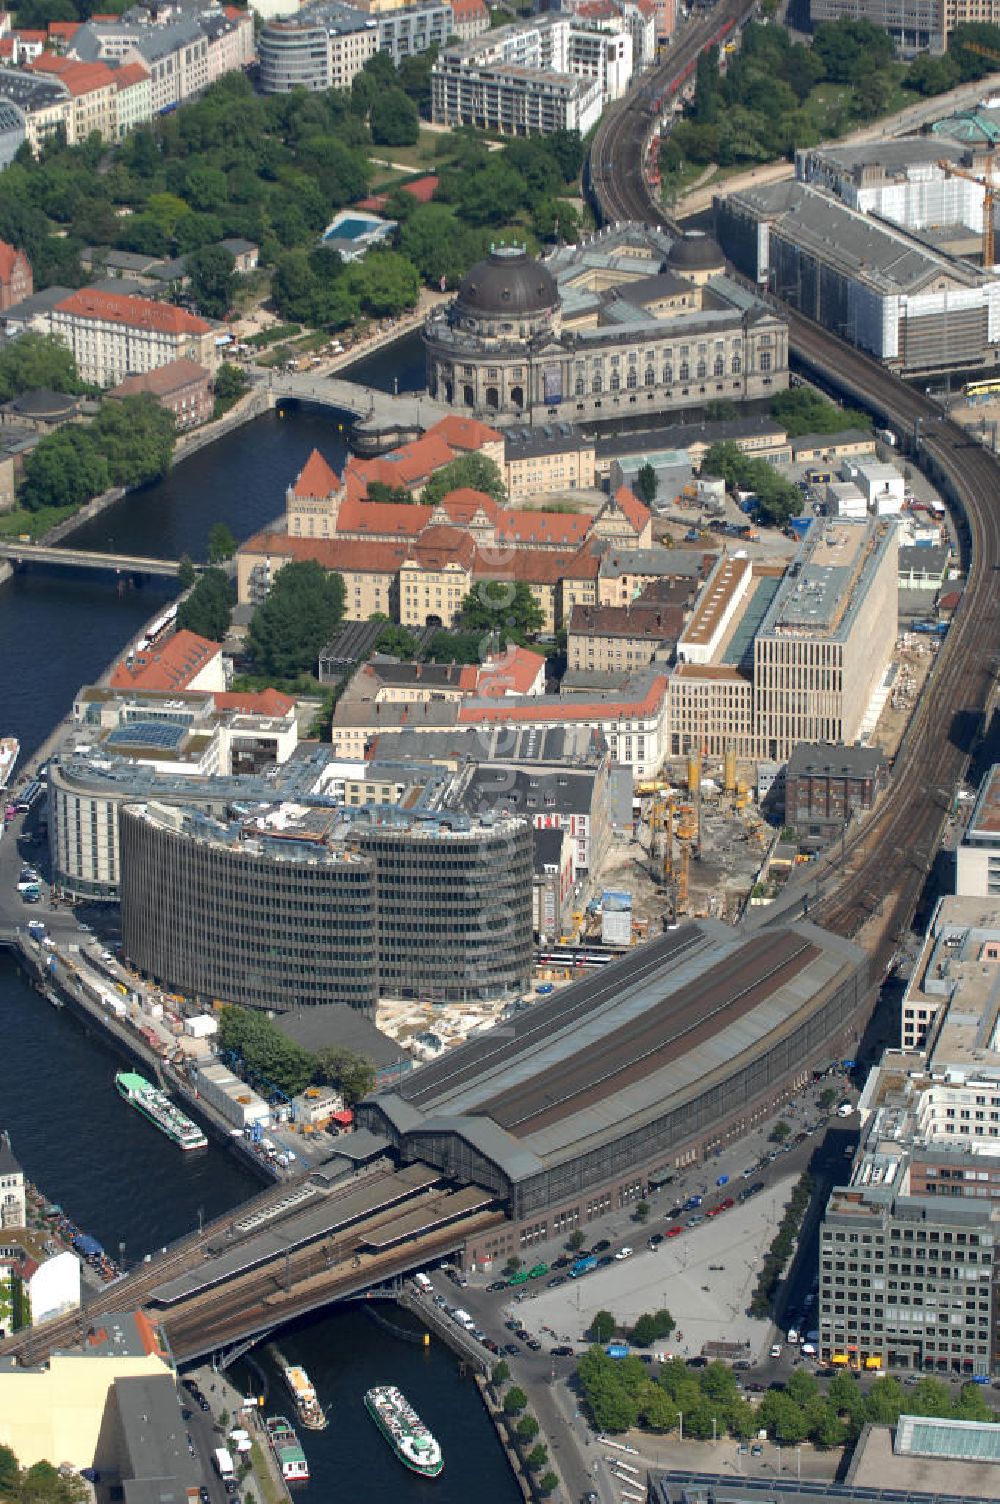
x=221 y=543
x=212 y=276
x=298 y=618
x=36 y=360
x=506 y=607
x=393 y=118
x=230 y=382
x=473 y=471
x=514 y=1401
x=264 y=1050
x=645 y=484
x=66 y=468
x=208 y=609
x=801 y=409
x=398 y=641
x=603 y=1326
x=136 y=436
x=353 y=1075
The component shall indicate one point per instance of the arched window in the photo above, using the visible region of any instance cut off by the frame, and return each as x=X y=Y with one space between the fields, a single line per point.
x=650 y=377
x=632 y=379
x=685 y=371
x=616 y=382
x=719 y=368
x=580 y=387
x=702 y=370
x=737 y=364
x=668 y=375
x=597 y=385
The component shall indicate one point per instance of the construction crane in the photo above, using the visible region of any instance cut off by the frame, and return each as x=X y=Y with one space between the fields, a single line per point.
x=681 y=903
x=662 y=819
x=989 y=199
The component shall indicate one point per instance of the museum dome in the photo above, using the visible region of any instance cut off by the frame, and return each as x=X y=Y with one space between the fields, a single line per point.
x=694 y=251
x=508 y=281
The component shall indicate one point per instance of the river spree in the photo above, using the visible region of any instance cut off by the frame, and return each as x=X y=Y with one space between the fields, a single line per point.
x=111 y=1172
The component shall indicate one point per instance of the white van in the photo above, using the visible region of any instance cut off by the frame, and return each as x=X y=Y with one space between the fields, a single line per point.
x=423 y=1284
x=793 y=1335
x=223 y=1463
x=464 y=1319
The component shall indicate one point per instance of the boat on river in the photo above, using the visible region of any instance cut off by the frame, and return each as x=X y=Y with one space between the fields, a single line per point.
x=403 y=1429
x=10 y=750
x=299 y=1385
x=158 y=1109
x=287 y=1449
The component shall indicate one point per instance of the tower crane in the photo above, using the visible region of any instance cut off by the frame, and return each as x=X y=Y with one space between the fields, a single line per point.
x=990 y=190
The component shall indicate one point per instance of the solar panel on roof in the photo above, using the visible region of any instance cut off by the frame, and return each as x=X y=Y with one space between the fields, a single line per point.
x=163 y=734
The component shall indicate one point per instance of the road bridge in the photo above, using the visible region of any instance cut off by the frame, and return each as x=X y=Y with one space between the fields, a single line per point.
x=86 y=558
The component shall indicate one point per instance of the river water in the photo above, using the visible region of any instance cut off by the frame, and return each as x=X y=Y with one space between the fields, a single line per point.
x=117 y=1177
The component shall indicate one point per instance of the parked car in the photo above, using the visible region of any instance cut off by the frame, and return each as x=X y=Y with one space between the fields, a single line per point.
x=556 y=1281
x=498 y=1284
x=674 y=1232
x=511 y=1349
x=756 y=1450
x=562 y=1352
x=655 y=1239
x=623 y=1253
x=601 y=1246
x=538 y=1271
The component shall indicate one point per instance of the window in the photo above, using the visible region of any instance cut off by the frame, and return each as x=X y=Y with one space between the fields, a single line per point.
x=737 y=364
x=765 y=360
x=685 y=372
x=650 y=376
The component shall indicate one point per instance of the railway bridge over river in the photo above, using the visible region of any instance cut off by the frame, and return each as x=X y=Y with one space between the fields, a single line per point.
x=291 y=1250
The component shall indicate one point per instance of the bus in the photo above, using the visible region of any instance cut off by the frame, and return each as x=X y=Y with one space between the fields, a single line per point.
x=27 y=796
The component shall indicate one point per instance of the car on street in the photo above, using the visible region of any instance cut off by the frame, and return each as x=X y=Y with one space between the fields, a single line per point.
x=623 y=1253
x=520 y=1278
x=562 y=1262
x=691 y=1203
x=561 y=1352
x=538 y=1271
x=756 y=1450
x=845 y=1109
x=602 y=1246
x=655 y=1239
x=511 y=1349
x=556 y=1281
x=534 y=1344
x=696 y=1220
x=698 y=1362
x=512 y=1326
x=204 y=1495
x=726 y=1204
x=490 y=1345
x=675 y=1211
x=498 y=1284
x=775 y=1349
x=674 y=1232
x=605 y=1260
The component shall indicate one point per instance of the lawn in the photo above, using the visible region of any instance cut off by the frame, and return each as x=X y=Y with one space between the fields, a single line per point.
x=35 y=524
x=420 y=157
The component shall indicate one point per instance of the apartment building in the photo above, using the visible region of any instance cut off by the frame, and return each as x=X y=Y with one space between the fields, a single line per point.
x=962 y=944
x=320 y=47
x=405 y=31
x=512 y=100
x=44 y=102
x=16 y=281
x=92 y=91
x=977 y=859
x=181 y=387
x=556 y=457
x=608 y=639
x=113 y=336
x=470 y=18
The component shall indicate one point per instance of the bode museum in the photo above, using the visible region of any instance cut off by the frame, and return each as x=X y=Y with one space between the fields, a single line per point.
x=627 y=323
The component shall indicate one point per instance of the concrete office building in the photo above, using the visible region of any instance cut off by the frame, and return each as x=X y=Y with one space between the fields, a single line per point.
x=977 y=858
x=511 y=99
x=914 y=25
x=615 y=1080
x=263 y=913
x=908 y=1243
x=903 y=181
x=320 y=47
x=962 y=940
x=301 y=905
x=827 y=637
x=884 y=290
x=627 y=324
x=411 y=29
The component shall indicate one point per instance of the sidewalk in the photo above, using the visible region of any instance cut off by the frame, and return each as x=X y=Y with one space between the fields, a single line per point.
x=263 y=1484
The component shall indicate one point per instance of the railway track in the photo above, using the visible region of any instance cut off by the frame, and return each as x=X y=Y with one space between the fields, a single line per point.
x=885 y=863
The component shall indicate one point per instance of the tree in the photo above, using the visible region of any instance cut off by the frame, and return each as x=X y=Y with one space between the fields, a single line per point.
x=646 y=485
x=398 y=641
x=826 y=1429
x=36 y=360
x=221 y=543
x=784 y=1419
x=720 y=410
x=643 y=1333
x=503 y=606
x=136 y=436
x=500 y=1373
x=884 y=1402
x=304 y=607
x=230 y=382
x=264 y=1050
x=537 y=1457
x=353 y=1075
x=473 y=472
x=576 y=1240
x=186 y=572
x=779 y=1132
x=385 y=283
x=603 y=1326
x=9 y=1471
x=208 y=609
x=801 y=1387
x=456 y=647
x=826 y=1098
x=514 y=1401
x=802 y=410
x=393 y=119
x=66 y=468
x=395 y=495
x=642 y=1211
x=512 y=1265
x=212 y=278
x=850 y=50
x=528 y=1428
x=548 y=1483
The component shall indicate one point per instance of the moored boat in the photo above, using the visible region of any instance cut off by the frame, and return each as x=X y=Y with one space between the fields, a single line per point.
x=403 y=1429
x=157 y=1107
x=307 y=1406
x=10 y=749
x=287 y=1449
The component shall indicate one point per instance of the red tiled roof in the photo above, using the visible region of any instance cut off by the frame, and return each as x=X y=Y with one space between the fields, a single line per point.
x=23 y=34
x=541 y=567
x=129 y=74
x=533 y=709
x=356 y=555
x=382 y=518
x=138 y=313
x=564 y=528
x=316 y=479
x=163 y=380
x=256 y=702
x=79 y=78
x=66 y=29
x=636 y=512
x=440 y=545
x=463 y=504
x=510 y=673
x=465 y=10
x=409 y=463
x=9 y=256
x=464 y=433
x=6 y=46
x=170 y=666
